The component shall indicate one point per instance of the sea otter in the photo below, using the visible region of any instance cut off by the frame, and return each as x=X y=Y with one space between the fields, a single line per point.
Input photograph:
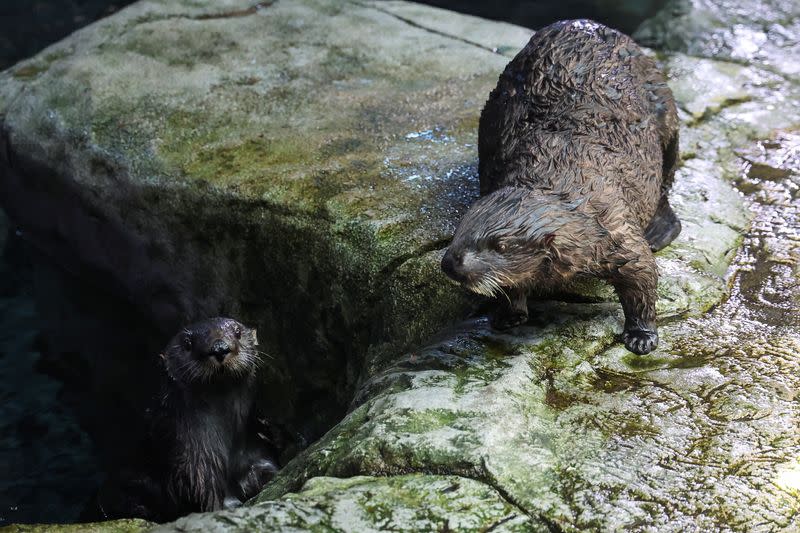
x=205 y=448
x=577 y=146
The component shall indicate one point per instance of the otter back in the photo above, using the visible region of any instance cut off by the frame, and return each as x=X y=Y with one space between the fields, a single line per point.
x=581 y=111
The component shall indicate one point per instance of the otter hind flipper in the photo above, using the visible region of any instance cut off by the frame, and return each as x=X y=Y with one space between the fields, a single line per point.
x=664 y=227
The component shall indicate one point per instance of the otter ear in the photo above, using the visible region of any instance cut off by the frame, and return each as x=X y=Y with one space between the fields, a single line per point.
x=548 y=239
x=254 y=336
x=163 y=356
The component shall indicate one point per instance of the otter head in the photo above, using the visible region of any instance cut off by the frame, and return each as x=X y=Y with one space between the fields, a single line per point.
x=212 y=350
x=511 y=239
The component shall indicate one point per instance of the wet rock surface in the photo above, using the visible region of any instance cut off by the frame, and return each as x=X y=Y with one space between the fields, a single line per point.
x=766 y=32
x=360 y=503
x=623 y=15
x=358 y=158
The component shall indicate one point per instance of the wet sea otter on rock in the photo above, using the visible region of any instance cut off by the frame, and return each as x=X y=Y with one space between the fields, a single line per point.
x=578 y=145
x=205 y=448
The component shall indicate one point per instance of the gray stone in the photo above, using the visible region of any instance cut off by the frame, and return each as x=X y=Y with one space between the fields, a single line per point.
x=759 y=31
x=415 y=502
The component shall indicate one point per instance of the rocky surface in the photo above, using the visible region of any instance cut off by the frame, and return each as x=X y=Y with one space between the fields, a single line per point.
x=414 y=502
x=307 y=177
x=119 y=526
x=766 y=32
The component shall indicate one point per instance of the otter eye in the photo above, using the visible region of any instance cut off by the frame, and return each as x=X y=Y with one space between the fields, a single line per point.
x=187 y=342
x=498 y=246
x=237 y=331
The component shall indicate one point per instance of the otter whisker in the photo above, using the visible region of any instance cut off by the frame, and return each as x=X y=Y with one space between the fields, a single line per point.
x=263 y=353
x=487 y=286
x=503 y=292
x=248 y=360
x=495 y=286
x=506 y=278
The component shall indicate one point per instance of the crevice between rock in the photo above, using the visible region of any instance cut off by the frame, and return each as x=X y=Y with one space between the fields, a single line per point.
x=387 y=271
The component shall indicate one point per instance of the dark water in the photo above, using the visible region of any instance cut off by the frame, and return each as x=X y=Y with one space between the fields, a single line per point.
x=47 y=462
x=27 y=26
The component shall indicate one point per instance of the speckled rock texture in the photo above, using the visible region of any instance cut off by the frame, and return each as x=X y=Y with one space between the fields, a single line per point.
x=118 y=526
x=766 y=32
x=302 y=165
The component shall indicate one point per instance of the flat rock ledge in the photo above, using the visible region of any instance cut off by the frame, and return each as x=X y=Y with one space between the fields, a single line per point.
x=302 y=165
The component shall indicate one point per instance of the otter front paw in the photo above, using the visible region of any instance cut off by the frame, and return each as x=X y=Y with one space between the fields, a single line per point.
x=506 y=320
x=640 y=341
x=258 y=474
x=231 y=502
x=264 y=470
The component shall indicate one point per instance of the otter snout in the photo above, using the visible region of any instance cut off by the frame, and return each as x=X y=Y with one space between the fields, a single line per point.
x=462 y=267
x=220 y=350
x=451 y=264
x=204 y=351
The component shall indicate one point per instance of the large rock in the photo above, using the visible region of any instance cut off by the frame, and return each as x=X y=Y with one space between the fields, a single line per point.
x=282 y=162
x=302 y=165
x=415 y=502
x=762 y=31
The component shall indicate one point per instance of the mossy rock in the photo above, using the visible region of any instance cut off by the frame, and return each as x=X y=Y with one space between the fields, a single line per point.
x=116 y=526
x=415 y=502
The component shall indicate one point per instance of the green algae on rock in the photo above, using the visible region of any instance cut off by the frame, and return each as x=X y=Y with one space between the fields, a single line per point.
x=116 y=526
x=416 y=502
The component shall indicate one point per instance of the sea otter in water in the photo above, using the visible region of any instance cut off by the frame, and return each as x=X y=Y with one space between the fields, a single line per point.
x=205 y=448
x=578 y=145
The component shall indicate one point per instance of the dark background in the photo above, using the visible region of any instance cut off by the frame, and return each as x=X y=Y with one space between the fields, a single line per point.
x=624 y=15
x=28 y=26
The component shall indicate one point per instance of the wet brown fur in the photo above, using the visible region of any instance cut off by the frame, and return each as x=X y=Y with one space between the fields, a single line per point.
x=205 y=448
x=578 y=147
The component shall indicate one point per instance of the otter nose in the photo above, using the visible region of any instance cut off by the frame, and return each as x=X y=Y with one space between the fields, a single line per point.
x=450 y=263
x=220 y=349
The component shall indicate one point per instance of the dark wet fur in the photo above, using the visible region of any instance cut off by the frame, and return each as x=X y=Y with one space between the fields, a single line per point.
x=206 y=448
x=578 y=145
